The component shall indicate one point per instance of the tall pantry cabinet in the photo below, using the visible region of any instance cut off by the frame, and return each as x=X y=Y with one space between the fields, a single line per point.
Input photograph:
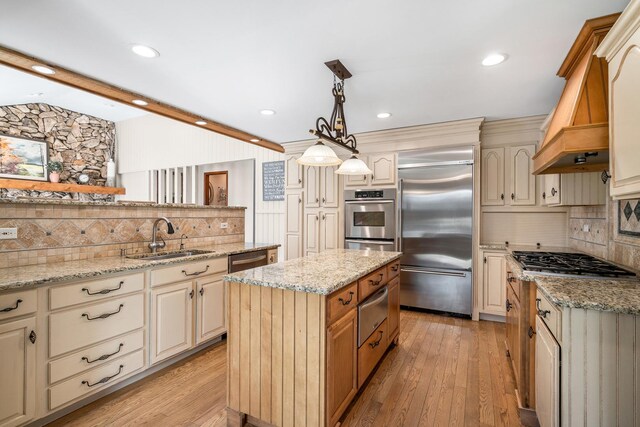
x=312 y=208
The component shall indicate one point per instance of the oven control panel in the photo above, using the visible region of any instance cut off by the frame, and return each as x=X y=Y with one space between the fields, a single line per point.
x=369 y=194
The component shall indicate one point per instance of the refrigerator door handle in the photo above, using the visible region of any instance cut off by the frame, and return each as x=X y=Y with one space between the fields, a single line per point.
x=400 y=215
x=434 y=272
x=376 y=242
x=368 y=202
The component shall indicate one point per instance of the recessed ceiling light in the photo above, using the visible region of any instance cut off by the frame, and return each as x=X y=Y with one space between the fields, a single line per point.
x=42 y=69
x=494 y=59
x=384 y=115
x=140 y=102
x=35 y=94
x=201 y=123
x=267 y=112
x=254 y=140
x=145 y=51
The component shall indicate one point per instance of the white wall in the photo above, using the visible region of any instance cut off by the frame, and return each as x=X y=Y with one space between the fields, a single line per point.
x=241 y=175
x=153 y=142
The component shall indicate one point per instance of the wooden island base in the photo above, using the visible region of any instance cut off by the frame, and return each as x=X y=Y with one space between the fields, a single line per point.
x=293 y=356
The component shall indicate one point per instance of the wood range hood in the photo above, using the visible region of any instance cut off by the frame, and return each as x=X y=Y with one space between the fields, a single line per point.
x=579 y=127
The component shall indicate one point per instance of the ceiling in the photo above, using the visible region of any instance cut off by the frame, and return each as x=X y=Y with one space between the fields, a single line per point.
x=418 y=59
x=23 y=88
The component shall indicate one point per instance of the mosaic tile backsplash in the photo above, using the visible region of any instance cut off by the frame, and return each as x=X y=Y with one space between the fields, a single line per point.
x=629 y=217
x=54 y=232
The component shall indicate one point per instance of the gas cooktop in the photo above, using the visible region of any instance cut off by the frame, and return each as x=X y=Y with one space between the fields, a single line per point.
x=569 y=264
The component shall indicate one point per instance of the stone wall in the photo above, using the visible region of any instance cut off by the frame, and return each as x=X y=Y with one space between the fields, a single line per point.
x=81 y=142
x=57 y=231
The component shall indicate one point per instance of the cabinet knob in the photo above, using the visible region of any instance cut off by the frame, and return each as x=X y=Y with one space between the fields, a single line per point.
x=317 y=200
x=324 y=217
x=554 y=192
x=201 y=292
x=299 y=200
x=513 y=196
x=508 y=305
x=531 y=332
x=502 y=196
x=33 y=337
x=544 y=195
x=324 y=200
x=299 y=180
x=191 y=294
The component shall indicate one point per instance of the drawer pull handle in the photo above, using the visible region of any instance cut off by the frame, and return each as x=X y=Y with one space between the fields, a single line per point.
x=511 y=279
x=542 y=313
x=104 y=291
x=197 y=273
x=376 y=282
x=15 y=307
x=347 y=302
x=376 y=343
x=104 y=356
x=395 y=267
x=105 y=379
x=103 y=316
x=508 y=305
x=531 y=332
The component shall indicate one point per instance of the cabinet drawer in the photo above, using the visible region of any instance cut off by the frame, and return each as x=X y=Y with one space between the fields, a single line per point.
x=95 y=356
x=371 y=283
x=18 y=303
x=340 y=302
x=95 y=379
x=550 y=315
x=72 y=329
x=191 y=270
x=95 y=290
x=514 y=284
x=393 y=269
x=370 y=353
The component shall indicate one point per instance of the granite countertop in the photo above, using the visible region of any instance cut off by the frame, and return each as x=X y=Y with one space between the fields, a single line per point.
x=614 y=295
x=14 y=278
x=321 y=273
x=102 y=203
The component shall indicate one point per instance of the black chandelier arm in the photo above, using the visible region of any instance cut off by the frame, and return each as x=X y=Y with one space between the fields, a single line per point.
x=349 y=144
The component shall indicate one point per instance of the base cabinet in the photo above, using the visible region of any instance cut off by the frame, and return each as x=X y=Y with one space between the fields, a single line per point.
x=17 y=372
x=210 y=312
x=342 y=360
x=494 y=276
x=547 y=378
x=171 y=320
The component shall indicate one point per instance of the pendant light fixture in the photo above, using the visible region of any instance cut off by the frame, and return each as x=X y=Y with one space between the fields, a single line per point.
x=335 y=131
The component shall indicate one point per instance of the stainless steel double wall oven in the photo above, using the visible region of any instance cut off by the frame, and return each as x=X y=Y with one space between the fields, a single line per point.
x=370 y=219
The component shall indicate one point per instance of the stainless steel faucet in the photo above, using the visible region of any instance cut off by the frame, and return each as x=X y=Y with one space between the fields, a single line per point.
x=154 y=245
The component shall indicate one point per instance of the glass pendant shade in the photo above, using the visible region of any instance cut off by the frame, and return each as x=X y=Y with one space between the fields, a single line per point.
x=354 y=166
x=319 y=155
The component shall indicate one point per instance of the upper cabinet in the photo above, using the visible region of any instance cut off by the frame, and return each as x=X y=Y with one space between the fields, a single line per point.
x=573 y=189
x=384 y=171
x=513 y=166
x=321 y=187
x=492 y=179
x=621 y=48
x=294 y=172
x=312 y=187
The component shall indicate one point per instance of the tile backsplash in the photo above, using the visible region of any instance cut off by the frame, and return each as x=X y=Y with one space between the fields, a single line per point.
x=64 y=232
x=608 y=231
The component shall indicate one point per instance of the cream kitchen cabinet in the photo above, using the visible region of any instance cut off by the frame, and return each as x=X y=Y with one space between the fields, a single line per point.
x=322 y=231
x=522 y=182
x=494 y=277
x=294 y=223
x=573 y=189
x=312 y=233
x=321 y=187
x=210 y=320
x=384 y=171
x=547 y=377
x=506 y=176
x=492 y=177
x=17 y=371
x=293 y=178
x=621 y=48
x=171 y=320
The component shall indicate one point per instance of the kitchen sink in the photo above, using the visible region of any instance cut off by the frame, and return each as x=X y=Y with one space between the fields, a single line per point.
x=169 y=255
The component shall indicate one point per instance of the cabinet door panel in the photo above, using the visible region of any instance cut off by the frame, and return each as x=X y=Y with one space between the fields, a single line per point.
x=552 y=189
x=329 y=187
x=495 y=279
x=17 y=372
x=384 y=169
x=294 y=246
x=342 y=366
x=329 y=230
x=312 y=235
x=492 y=177
x=547 y=377
x=311 y=187
x=294 y=173
x=294 y=213
x=171 y=320
x=210 y=309
x=523 y=182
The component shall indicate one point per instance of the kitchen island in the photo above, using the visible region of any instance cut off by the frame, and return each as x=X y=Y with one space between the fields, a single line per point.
x=293 y=334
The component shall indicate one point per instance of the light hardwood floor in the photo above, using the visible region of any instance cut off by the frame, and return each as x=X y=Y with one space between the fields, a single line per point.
x=445 y=372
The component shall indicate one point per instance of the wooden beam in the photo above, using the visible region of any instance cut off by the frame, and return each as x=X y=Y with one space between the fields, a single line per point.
x=22 y=184
x=67 y=77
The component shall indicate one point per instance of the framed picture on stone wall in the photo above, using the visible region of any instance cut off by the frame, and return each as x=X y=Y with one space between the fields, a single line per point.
x=23 y=158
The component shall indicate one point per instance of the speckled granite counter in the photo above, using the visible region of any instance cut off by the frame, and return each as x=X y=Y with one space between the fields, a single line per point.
x=14 y=278
x=103 y=203
x=319 y=273
x=615 y=295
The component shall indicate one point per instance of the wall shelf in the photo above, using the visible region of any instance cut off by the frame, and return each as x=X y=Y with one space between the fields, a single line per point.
x=19 y=184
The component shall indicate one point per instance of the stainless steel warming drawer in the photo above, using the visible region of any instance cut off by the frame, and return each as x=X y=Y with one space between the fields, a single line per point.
x=248 y=260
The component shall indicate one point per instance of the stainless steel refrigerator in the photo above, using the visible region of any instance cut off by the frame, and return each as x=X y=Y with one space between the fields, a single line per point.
x=435 y=228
